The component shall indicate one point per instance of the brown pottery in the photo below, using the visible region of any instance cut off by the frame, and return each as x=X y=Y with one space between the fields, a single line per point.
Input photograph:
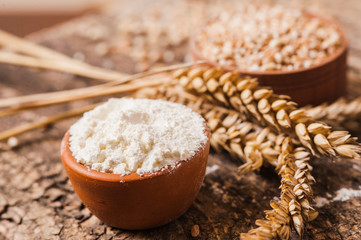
x=323 y=82
x=134 y=201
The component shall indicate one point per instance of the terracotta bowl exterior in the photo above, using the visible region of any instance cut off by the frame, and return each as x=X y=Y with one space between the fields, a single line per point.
x=137 y=202
x=324 y=82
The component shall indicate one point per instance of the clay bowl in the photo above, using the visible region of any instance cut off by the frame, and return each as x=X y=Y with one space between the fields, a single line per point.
x=137 y=202
x=323 y=82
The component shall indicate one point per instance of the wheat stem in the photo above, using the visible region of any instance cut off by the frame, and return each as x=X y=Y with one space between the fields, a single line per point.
x=43 y=122
x=47 y=99
x=18 y=44
x=83 y=70
x=16 y=104
x=65 y=66
x=45 y=58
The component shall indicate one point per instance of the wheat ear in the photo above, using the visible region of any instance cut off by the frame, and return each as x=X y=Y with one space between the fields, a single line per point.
x=342 y=114
x=293 y=208
x=268 y=109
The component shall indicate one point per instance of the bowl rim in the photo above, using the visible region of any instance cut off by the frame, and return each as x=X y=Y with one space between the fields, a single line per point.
x=195 y=51
x=69 y=160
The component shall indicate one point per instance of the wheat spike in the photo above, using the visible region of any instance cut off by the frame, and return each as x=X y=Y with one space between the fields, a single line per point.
x=266 y=108
x=293 y=208
x=341 y=114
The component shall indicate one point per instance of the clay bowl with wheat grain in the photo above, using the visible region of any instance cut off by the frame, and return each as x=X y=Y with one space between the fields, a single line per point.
x=135 y=202
x=322 y=82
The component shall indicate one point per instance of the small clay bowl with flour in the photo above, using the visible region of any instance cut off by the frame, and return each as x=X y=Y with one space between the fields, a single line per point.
x=319 y=83
x=136 y=202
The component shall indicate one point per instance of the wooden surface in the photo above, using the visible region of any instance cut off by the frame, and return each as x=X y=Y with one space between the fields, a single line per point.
x=37 y=200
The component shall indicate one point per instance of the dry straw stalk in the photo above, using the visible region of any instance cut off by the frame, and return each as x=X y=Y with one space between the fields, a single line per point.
x=134 y=82
x=45 y=58
x=43 y=122
x=66 y=66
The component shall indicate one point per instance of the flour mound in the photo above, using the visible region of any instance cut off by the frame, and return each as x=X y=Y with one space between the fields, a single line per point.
x=125 y=135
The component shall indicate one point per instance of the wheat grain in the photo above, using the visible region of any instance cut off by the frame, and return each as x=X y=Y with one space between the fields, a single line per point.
x=287 y=39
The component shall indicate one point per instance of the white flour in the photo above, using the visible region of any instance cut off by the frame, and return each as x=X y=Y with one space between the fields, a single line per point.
x=124 y=136
x=345 y=194
x=342 y=194
x=211 y=169
x=321 y=201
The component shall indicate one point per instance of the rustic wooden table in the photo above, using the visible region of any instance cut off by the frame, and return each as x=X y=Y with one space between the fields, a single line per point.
x=38 y=202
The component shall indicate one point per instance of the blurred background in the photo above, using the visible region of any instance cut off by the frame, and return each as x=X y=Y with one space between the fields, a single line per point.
x=22 y=17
